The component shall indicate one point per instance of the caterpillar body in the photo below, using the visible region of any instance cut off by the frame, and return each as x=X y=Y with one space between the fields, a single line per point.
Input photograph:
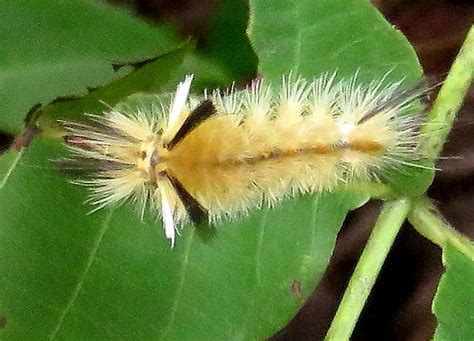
x=222 y=154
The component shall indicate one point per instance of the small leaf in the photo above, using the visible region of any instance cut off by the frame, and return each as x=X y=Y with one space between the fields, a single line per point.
x=55 y=48
x=454 y=301
x=228 y=42
x=156 y=75
x=159 y=75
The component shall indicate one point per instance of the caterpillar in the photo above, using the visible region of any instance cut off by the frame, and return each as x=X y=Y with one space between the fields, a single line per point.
x=221 y=154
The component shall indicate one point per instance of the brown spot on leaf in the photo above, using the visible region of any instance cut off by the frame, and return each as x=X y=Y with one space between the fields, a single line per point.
x=296 y=289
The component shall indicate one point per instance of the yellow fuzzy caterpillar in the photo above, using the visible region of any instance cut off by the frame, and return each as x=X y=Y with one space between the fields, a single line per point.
x=223 y=154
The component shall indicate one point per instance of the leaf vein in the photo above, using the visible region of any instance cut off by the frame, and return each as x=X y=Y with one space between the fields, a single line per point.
x=258 y=251
x=11 y=169
x=179 y=289
x=82 y=278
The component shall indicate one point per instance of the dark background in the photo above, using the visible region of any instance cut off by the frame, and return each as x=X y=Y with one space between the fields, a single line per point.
x=399 y=307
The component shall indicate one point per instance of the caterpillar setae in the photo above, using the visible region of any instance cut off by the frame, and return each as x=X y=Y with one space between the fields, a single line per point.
x=222 y=154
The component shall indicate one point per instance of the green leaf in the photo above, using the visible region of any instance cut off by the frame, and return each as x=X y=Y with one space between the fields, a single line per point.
x=207 y=73
x=70 y=275
x=53 y=48
x=160 y=74
x=454 y=300
x=313 y=37
x=228 y=43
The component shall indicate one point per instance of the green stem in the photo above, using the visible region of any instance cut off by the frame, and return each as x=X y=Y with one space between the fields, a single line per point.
x=424 y=216
x=381 y=239
x=427 y=220
x=441 y=117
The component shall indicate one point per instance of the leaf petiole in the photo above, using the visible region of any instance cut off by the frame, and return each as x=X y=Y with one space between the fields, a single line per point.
x=427 y=220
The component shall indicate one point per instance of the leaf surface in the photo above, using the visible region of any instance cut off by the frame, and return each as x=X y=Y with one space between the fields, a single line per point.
x=228 y=43
x=454 y=300
x=310 y=38
x=106 y=275
x=54 y=48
